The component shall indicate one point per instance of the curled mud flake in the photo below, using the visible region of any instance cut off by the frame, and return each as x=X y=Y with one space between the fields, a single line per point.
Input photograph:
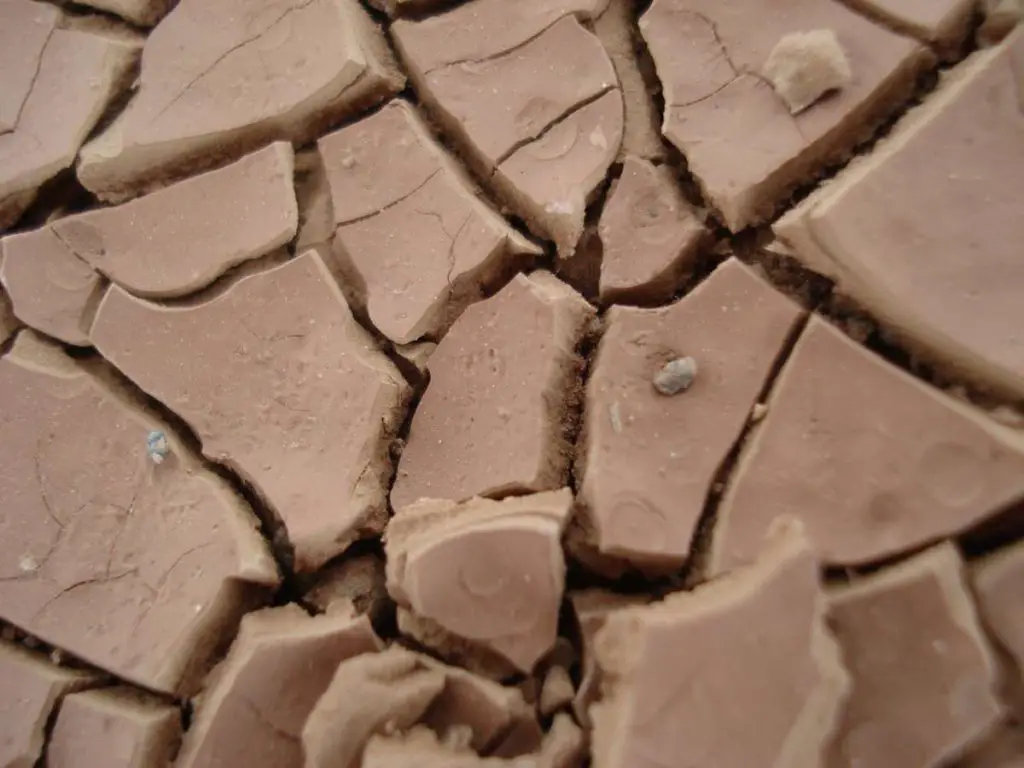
x=676 y=376
x=157 y=447
x=804 y=66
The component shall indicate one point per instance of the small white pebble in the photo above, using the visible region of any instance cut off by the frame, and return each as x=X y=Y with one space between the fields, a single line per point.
x=615 y=416
x=676 y=376
x=759 y=411
x=28 y=564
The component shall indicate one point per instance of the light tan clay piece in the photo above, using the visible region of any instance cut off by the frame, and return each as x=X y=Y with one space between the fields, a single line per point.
x=51 y=288
x=649 y=236
x=531 y=97
x=8 y=322
x=946 y=283
x=55 y=84
x=114 y=728
x=491 y=420
x=1004 y=748
x=179 y=239
x=563 y=747
x=488 y=572
x=592 y=608
x=924 y=678
x=760 y=681
x=25 y=29
x=803 y=67
x=997 y=583
x=738 y=136
x=942 y=23
x=373 y=693
x=258 y=699
x=414 y=243
x=641 y=135
x=287 y=372
x=139 y=568
x=357 y=581
x=648 y=460
x=873 y=461
x=1001 y=16
x=33 y=688
x=219 y=79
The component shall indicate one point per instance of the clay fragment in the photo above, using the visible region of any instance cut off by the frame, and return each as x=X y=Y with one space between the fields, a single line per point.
x=138 y=568
x=805 y=66
x=115 y=728
x=373 y=693
x=33 y=688
x=563 y=747
x=557 y=691
x=945 y=285
x=414 y=243
x=270 y=398
x=357 y=582
x=592 y=608
x=757 y=652
x=746 y=149
x=8 y=322
x=932 y=692
x=491 y=420
x=997 y=578
x=181 y=238
x=222 y=79
x=641 y=136
x=56 y=84
x=488 y=572
x=872 y=460
x=943 y=24
x=51 y=288
x=647 y=460
x=258 y=699
x=1001 y=16
x=649 y=236
x=530 y=96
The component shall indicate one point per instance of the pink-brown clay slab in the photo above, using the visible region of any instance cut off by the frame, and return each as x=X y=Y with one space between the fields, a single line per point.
x=872 y=460
x=648 y=460
x=413 y=241
x=997 y=580
x=114 y=728
x=491 y=420
x=649 y=236
x=924 y=678
x=545 y=116
x=481 y=29
x=641 y=134
x=489 y=572
x=223 y=78
x=78 y=74
x=738 y=136
x=943 y=23
x=258 y=699
x=371 y=693
x=945 y=281
x=137 y=567
x=25 y=29
x=51 y=288
x=180 y=239
x=281 y=384
x=740 y=672
x=33 y=688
